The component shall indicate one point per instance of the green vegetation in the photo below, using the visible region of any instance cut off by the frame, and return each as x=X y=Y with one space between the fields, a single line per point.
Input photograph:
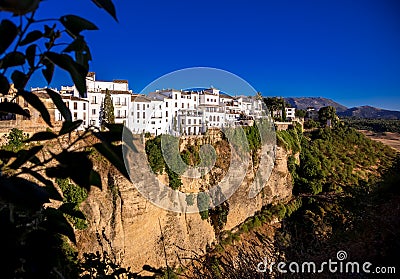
x=38 y=239
x=73 y=197
x=276 y=104
x=301 y=113
x=203 y=202
x=15 y=140
x=218 y=216
x=290 y=139
x=156 y=160
x=326 y=114
x=107 y=110
x=375 y=125
x=346 y=196
x=154 y=155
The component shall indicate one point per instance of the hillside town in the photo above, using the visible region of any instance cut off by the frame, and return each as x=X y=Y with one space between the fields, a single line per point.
x=166 y=111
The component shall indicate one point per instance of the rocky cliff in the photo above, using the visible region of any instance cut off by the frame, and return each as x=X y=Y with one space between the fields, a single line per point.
x=135 y=232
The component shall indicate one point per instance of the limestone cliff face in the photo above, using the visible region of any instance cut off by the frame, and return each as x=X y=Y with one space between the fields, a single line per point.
x=134 y=231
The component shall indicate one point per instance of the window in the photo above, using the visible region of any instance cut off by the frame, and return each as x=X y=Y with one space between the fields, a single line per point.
x=144 y=106
x=84 y=116
x=75 y=115
x=183 y=105
x=144 y=114
x=75 y=105
x=117 y=101
x=138 y=106
x=166 y=114
x=195 y=98
x=176 y=96
x=159 y=106
x=194 y=121
x=176 y=104
x=166 y=104
x=93 y=111
x=208 y=99
x=94 y=101
x=183 y=121
x=148 y=105
x=84 y=106
x=189 y=121
x=138 y=114
x=60 y=118
x=199 y=121
x=92 y=122
x=217 y=118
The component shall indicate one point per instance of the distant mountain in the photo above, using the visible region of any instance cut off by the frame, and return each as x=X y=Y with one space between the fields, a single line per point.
x=316 y=102
x=370 y=112
x=342 y=111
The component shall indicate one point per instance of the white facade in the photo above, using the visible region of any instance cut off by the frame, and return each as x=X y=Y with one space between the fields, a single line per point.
x=79 y=108
x=167 y=111
x=290 y=113
x=96 y=91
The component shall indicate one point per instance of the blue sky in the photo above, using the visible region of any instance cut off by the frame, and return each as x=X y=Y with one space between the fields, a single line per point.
x=345 y=50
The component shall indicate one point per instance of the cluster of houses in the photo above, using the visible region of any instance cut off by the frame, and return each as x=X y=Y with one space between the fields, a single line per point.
x=167 y=111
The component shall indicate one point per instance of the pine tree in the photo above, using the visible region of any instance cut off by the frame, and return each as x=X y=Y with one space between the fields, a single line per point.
x=107 y=111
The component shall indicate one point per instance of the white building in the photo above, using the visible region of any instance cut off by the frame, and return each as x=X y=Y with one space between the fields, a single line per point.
x=96 y=91
x=290 y=113
x=167 y=111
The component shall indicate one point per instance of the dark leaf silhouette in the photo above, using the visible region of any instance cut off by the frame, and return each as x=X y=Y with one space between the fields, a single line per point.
x=8 y=32
x=39 y=136
x=19 y=79
x=72 y=210
x=57 y=223
x=12 y=59
x=35 y=102
x=30 y=54
x=108 y=6
x=62 y=108
x=23 y=192
x=69 y=126
x=31 y=37
x=8 y=107
x=77 y=72
x=4 y=85
x=75 y=24
x=24 y=156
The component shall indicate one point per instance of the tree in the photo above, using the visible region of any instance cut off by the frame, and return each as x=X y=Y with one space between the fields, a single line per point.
x=276 y=104
x=107 y=111
x=301 y=113
x=283 y=109
x=327 y=113
x=33 y=236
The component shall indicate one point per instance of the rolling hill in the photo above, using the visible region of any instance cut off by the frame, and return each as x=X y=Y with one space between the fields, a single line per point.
x=365 y=112
x=316 y=102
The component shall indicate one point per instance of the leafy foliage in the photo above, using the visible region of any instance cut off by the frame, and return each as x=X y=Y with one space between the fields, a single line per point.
x=375 y=125
x=326 y=114
x=33 y=234
x=73 y=197
x=107 y=111
x=16 y=139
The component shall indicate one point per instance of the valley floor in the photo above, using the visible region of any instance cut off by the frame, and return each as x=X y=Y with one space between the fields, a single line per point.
x=388 y=138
